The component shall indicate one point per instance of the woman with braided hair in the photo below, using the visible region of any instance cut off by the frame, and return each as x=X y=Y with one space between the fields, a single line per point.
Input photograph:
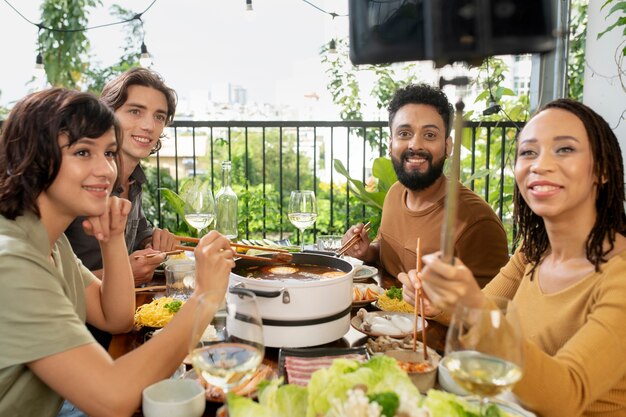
x=568 y=275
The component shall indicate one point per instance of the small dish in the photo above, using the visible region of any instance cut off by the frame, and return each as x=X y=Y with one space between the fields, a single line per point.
x=173 y=398
x=360 y=290
x=424 y=379
x=447 y=382
x=510 y=408
x=362 y=303
x=305 y=361
x=364 y=272
x=357 y=323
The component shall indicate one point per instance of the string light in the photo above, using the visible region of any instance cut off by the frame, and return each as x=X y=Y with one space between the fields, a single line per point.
x=144 y=59
x=39 y=71
x=333 y=14
x=332 y=47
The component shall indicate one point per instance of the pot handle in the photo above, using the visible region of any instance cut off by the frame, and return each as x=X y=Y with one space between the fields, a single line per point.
x=259 y=293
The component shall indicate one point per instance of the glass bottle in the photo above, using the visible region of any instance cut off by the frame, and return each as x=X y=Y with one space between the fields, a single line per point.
x=226 y=205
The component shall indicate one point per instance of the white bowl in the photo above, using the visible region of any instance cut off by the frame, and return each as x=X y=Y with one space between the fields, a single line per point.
x=174 y=398
x=356 y=263
x=447 y=382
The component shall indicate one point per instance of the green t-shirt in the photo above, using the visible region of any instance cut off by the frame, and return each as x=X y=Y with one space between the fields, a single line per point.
x=43 y=312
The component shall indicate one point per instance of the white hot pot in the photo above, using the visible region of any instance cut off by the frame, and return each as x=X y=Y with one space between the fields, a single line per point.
x=301 y=313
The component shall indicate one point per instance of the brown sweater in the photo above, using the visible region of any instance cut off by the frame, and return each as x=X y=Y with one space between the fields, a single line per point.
x=575 y=348
x=480 y=239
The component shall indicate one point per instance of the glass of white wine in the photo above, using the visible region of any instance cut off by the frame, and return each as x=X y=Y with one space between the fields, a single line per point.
x=199 y=203
x=227 y=339
x=484 y=352
x=302 y=211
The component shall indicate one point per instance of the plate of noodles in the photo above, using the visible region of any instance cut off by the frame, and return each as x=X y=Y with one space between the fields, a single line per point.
x=390 y=301
x=157 y=313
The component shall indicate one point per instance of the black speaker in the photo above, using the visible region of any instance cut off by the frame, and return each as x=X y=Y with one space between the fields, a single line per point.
x=383 y=31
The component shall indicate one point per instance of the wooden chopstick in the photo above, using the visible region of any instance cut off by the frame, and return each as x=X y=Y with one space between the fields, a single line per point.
x=152 y=288
x=420 y=296
x=241 y=256
x=235 y=245
x=152 y=255
x=263 y=248
x=188 y=239
x=353 y=240
x=259 y=258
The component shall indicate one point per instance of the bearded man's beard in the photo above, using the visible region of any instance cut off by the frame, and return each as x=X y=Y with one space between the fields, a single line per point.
x=415 y=180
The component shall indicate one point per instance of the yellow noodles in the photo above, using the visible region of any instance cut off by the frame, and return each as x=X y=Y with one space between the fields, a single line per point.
x=393 y=304
x=154 y=314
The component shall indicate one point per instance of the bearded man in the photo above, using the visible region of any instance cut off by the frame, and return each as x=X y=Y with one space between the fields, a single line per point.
x=420 y=118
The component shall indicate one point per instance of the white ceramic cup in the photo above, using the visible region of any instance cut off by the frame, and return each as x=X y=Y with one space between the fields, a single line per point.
x=174 y=398
x=180 y=280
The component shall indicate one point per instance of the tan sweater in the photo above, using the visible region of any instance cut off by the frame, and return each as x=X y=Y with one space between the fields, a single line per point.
x=479 y=241
x=575 y=348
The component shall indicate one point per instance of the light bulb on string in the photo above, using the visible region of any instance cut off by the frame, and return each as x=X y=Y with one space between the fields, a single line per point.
x=39 y=72
x=249 y=6
x=145 y=60
x=332 y=47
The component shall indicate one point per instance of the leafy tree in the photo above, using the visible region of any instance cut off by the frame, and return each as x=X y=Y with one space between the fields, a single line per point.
x=96 y=76
x=65 y=53
x=66 y=48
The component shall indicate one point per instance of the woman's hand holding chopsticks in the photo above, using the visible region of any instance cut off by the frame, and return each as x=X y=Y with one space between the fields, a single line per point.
x=410 y=284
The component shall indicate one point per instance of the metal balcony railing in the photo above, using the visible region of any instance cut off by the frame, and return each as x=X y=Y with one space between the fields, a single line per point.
x=270 y=158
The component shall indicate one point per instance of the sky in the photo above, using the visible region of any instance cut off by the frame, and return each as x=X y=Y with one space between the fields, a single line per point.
x=273 y=51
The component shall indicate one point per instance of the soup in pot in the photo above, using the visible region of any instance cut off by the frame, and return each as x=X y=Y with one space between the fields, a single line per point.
x=299 y=272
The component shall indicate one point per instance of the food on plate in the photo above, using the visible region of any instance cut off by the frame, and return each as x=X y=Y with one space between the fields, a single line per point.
x=366 y=292
x=247 y=389
x=298 y=272
x=382 y=344
x=177 y=258
x=394 y=293
x=350 y=388
x=415 y=366
x=385 y=324
x=300 y=369
x=387 y=303
x=158 y=312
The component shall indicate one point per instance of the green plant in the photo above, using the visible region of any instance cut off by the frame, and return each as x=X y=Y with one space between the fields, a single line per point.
x=371 y=194
x=65 y=53
x=577 y=41
x=619 y=6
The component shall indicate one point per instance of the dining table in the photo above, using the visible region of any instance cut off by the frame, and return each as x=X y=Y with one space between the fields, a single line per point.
x=125 y=342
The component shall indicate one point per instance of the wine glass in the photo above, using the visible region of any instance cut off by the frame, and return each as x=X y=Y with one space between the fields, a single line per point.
x=484 y=348
x=227 y=344
x=199 y=203
x=302 y=211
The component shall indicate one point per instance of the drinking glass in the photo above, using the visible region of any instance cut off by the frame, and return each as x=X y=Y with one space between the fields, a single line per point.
x=302 y=211
x=227 y=349
x=484 y=348
x=199 y=203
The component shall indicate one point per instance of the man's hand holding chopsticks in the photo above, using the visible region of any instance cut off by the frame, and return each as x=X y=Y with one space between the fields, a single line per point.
x=358 y=243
